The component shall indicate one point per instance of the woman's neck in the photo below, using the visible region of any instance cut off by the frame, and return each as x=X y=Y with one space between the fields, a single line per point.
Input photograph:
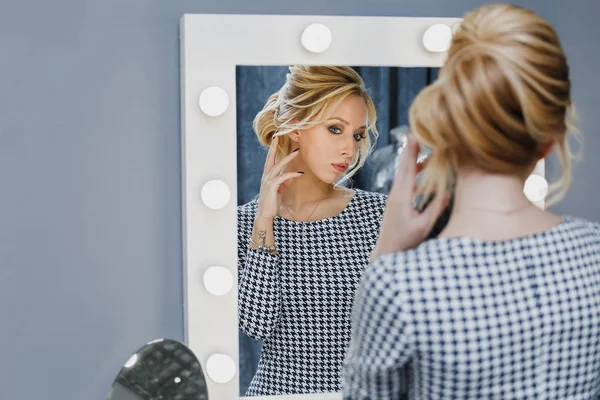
x=483 y=191
x=305 y=191
x=494 y=207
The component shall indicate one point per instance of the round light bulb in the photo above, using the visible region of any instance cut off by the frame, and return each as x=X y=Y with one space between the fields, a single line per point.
x=536 y=188
x=218 y=281
x=316 y=38
x=220 y=368
x=131 y=362
x=215 y=194
x=437 y=38
x=213 y=101
x=177 y=379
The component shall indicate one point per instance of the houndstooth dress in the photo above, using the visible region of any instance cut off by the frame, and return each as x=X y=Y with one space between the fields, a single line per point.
x=462 y=318
x=299 y=301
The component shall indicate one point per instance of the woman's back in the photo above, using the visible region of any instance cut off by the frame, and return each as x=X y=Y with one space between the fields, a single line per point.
x=511 y=319
x=505 y=304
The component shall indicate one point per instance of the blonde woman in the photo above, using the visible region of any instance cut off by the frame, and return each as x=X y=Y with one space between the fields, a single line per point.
x=305 y=241
x=505 y=303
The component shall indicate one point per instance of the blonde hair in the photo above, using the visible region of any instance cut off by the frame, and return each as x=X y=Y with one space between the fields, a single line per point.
x=502 y=94
x=308 y=97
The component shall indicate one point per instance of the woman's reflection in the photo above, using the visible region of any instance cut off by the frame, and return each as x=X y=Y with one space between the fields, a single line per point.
x=304 y=242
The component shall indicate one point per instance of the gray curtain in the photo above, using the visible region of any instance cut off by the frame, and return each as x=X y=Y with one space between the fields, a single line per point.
x=392 y=89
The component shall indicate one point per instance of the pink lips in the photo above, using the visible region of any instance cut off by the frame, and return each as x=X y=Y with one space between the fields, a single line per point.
x=340 y=167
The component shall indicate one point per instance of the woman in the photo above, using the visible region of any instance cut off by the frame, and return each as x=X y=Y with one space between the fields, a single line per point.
x=505 y=303
x=305 y=241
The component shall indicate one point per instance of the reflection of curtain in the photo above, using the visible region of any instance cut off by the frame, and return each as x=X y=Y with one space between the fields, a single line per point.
x=392 y=90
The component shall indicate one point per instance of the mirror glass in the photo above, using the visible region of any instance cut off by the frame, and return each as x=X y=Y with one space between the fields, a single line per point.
x=163 y=369
x=295 y=301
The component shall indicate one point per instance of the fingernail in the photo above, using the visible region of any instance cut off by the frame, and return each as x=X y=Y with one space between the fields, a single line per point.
x=296 y=150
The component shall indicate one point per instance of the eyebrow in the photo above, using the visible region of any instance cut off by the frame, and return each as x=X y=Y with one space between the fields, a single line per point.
x=345 y=122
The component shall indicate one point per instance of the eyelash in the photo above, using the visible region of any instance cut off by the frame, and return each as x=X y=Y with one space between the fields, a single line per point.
x=361 y=135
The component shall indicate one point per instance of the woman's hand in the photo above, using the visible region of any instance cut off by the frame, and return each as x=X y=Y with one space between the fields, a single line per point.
x=403 y=227
x=274 y=182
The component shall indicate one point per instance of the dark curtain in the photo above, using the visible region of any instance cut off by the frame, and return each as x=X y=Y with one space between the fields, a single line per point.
x=392 y=89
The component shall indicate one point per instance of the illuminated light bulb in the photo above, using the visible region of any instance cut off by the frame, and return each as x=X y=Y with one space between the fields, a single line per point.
x=437 y=38
x=215 y=194
x=316 y=38
x=218 y=281
x=220 y=368
x=213 y=101
x=536 y=188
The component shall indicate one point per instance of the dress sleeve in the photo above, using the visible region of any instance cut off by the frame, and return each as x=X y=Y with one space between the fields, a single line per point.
x=258 y=284
x=382 y=340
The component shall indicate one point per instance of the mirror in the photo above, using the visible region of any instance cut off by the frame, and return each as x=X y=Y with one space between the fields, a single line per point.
x=220 y=55
x=163 y=369
x=295 y=304
x=230 y=65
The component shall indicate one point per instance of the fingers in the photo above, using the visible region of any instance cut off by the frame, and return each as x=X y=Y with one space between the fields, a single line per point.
x=435 y=209
x=422 y=165
x=270 y=161
x=284 y=185
x=278 y=167
x=409 y=159
x=406 y=176
x=277 y=181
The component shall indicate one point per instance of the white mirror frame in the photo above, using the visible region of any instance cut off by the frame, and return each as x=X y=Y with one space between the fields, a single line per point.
x=212 y=45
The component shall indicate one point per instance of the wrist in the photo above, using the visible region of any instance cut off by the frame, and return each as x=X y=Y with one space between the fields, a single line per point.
x=260 y=214
x=267 y=218
x=385 y=246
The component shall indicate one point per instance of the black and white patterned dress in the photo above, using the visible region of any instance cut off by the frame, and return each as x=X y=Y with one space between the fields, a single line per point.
x=472 y=319
x=299 y=301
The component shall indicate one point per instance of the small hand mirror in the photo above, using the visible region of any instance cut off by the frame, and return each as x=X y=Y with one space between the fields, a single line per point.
x=163 y=369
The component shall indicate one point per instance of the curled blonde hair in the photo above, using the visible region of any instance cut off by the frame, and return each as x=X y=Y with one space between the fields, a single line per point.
x=502 y=94
x=308 y=97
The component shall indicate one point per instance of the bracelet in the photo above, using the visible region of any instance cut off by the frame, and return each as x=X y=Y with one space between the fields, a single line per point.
x=267 y=249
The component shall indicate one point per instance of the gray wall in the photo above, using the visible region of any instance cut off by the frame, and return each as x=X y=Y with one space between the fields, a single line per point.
x=90 y=215
x=577 y=24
